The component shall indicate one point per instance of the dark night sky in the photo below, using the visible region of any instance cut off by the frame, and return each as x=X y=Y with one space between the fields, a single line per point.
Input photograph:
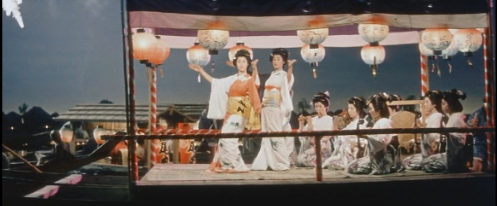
x=70 y=52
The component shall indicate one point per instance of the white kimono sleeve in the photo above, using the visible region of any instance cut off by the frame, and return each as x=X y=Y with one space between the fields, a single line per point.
x=457 y=120
x=286 y=100
x=380 y=141
x=218 y=100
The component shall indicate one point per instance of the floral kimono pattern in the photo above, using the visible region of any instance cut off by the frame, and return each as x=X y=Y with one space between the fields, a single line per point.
x=232 y=99
x=346 y=148
x=376 y=160
x=307 y=153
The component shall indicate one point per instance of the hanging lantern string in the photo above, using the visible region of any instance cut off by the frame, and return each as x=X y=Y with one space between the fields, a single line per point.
x=439 y=73
x=374 y=66
x=470 y=63
x=314 y=74
x=432 y=65
x=161 y=73
x=212 y=66
x=450 y=67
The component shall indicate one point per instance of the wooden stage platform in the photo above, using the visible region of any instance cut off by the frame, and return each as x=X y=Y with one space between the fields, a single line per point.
x=191 y=184
x=196 y=174
x=299 y=185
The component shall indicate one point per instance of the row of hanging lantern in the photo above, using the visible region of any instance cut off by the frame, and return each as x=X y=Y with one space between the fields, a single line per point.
x=434 y=42
x=441 y=42
x=210 y=41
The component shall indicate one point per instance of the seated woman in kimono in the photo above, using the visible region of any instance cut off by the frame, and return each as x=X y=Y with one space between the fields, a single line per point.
x=232 y=99
x=431 y=118
x=375 y=161
x=347 y=145
x=322 y=121
x=453 y=160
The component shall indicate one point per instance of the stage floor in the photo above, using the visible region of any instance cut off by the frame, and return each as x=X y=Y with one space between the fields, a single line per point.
x=196 y=174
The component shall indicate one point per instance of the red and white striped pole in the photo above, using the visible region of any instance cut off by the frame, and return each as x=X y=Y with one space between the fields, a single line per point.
x=489 y=113
x=425 y=84
x=154 y=143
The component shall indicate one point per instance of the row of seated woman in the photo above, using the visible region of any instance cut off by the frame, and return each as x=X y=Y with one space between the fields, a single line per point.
x=381 y=153
x=371 y=154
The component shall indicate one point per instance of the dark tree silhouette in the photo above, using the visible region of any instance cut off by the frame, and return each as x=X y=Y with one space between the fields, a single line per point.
x=104 y=101
x=23 y=108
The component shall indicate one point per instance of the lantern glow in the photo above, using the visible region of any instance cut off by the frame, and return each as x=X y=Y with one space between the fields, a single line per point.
x=213 y=40
x=436 y=39
x=373 y=33
x=313 y=37
x=237 y=47
x=312 y=56
x=468 y=40
x=373 y=55
x=144 y=45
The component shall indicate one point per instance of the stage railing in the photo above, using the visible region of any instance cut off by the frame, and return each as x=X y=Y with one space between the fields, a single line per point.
x=207 y=133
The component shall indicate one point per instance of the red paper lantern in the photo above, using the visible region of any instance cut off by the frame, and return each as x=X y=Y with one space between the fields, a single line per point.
x=144 y=45
x=237 y=47
x=161 y=53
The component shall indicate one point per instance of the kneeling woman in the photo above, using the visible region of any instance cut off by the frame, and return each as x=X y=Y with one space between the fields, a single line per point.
x=376 y=160
x=347 y=145
x=322 y=121
x=454 y=159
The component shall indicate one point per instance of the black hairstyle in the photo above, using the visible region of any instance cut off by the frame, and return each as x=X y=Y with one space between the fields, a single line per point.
x=379 y=102
x=282 y=52
x=409 y=108
x=435 y=97
x=394 y=97
x=359 y=104
x=452 y=98
x=322 y=97
x=243 y=53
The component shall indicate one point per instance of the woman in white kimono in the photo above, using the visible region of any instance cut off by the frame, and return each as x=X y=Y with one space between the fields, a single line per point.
x=322 y=121
x=454 y=159
x=347 y=147
x=431 y=118
x=232 y=99
x=395 y=144
x=276 y=106
x=375 y=161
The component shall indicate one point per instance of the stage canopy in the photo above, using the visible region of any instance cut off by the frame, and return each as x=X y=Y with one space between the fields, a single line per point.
x=270 y=23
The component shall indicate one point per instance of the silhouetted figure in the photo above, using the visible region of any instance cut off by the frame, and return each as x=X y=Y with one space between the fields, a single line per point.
x=5 y=161
x=62 y=149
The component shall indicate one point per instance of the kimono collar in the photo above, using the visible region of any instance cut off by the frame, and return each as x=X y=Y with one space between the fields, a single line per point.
x=279 y=71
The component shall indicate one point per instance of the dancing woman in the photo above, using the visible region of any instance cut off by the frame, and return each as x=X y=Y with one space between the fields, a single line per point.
x=276 y=107
x=231 y=98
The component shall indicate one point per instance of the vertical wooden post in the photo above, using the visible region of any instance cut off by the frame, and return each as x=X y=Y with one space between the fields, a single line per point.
x=317 y=148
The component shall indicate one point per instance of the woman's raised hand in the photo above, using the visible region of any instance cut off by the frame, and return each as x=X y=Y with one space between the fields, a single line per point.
x=301 y=118
x=291 y=61
x=254 y=63
x=195 y=67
